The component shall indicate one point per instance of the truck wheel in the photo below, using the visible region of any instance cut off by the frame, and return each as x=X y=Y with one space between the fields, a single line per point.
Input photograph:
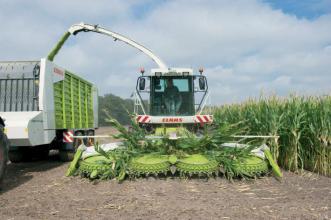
x=3 y=156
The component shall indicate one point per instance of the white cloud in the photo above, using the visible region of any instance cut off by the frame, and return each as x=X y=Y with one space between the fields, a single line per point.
x=245 y=46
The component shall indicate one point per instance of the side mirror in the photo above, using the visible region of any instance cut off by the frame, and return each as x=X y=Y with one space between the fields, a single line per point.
x=142 y=84
x=202 y=83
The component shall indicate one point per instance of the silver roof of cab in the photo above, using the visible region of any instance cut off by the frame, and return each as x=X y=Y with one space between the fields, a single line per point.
x=171 y=72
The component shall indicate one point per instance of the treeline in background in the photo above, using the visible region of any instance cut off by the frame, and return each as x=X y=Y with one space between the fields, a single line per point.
x=117 y=108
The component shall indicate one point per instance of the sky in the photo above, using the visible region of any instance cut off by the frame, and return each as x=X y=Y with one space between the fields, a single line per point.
x=246 y=47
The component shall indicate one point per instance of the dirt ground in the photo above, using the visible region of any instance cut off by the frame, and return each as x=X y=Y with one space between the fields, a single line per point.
x=39 y=190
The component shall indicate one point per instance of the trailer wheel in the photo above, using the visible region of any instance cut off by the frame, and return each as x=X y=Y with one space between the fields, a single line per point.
x=3 y=155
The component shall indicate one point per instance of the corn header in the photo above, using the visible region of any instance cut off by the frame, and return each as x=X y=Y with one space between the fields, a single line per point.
x=171 y=130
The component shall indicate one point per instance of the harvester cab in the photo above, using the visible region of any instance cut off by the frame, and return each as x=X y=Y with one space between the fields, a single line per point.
x=176 y=98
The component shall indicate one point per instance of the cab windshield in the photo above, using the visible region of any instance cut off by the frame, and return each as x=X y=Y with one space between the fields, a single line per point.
x=172 y=96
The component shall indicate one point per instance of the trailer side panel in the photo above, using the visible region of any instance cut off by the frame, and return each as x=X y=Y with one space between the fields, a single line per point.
x=73 y=103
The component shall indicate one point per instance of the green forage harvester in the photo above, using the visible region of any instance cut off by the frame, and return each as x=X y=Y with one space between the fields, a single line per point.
x=177 y=132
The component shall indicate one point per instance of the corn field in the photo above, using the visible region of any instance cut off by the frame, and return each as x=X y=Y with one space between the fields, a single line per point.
x=303 y=125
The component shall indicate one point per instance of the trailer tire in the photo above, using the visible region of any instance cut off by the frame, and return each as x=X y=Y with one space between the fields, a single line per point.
x=3 y=155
